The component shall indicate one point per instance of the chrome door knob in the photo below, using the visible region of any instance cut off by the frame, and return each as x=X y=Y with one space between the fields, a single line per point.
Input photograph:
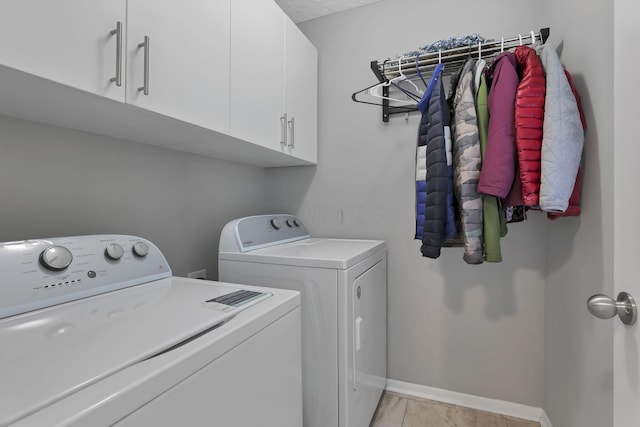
x=605 y=307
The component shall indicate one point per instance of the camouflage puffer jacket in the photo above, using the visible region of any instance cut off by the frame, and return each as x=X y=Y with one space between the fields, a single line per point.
x=467 y=163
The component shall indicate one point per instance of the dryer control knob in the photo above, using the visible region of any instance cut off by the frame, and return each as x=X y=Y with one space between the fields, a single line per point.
x=290 y=222
x=140 y=249
x=275 y=223
x=296 y=222
x=114 y=252
x=56 y=258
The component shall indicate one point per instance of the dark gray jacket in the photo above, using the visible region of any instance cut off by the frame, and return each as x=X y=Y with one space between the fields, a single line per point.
x=432 y=126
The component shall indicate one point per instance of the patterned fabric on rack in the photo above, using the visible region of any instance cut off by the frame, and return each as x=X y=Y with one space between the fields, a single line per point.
x=449 y=43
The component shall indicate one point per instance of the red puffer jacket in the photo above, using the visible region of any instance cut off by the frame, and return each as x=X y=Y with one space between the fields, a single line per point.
x=529 y=118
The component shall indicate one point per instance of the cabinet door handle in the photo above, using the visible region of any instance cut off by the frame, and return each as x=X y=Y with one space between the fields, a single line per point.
x=292 y=127
x=145 y=44
x=118 y=33
x=283 y=129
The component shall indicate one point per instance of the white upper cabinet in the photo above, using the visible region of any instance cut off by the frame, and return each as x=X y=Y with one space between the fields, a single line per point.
x=186 y=71
x=67 y=41
x=301 y=93
x=231 y=79
x=257 y=72
x=274 y=78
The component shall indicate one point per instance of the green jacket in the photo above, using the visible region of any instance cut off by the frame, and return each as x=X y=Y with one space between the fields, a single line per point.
x=495 y=225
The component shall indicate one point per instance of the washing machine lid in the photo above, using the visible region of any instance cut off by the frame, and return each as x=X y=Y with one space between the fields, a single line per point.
x=338 y=254
x=51 y=353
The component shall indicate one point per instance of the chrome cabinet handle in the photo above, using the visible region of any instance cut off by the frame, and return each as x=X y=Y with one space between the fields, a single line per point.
x=283 y=129
x=118 y=33
x=145 y=45
x=292 y=127
x=605 y=307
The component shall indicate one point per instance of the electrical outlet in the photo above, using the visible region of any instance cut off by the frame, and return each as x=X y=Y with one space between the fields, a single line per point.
x=200 y=274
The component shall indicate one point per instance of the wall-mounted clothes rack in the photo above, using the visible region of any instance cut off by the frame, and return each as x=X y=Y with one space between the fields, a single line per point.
x=424 y=63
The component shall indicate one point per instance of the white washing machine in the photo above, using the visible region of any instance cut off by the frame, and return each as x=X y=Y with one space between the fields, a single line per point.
x=343 y=283
x=95 y=331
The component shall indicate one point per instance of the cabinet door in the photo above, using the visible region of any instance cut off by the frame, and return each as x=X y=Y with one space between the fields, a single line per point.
x=188 y=59
x=257 y=72
x=67 y=41
x=301 y=93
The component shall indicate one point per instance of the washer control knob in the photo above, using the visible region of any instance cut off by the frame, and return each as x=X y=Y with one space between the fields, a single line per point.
x=140 y=249
x=56 y=258
x=114 y=252
x=275 y=223
x=296 y=222
x=290 y=222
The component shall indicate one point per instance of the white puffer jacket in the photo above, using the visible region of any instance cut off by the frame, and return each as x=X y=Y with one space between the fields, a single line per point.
x=563 y=136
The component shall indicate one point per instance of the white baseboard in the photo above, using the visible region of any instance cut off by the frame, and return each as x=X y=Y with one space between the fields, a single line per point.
x=544 y=420
x=497 y=406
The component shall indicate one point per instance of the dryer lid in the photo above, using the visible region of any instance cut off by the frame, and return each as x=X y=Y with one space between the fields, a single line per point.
x=338 y=254
x=51 y=353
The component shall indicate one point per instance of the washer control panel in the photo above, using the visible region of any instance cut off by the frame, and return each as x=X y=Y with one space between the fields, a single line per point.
x=261 y=231
x=44 y=272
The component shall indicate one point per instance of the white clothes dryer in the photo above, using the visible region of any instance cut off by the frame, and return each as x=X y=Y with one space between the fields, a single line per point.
x=343 y=285
x=96 y=331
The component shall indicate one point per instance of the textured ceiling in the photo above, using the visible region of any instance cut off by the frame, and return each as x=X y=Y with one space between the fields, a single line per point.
x=304 y=10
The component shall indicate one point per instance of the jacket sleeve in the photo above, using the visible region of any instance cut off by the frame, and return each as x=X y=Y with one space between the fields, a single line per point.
x=450 y=228
x=491 y=212
x=563 y=136
x=421 y=152
x=574 y=200
x=435 y=212
x=530 y=103
x=499 y=162
x=467 y=163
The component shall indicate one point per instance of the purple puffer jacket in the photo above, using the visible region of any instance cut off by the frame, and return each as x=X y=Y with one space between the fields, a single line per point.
x=499 y=163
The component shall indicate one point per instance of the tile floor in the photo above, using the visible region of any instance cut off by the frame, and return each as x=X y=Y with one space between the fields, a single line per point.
x=396 y=410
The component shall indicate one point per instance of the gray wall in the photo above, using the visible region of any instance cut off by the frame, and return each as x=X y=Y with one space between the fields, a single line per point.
x=58 y=182
x=471 y=329
x=579 y=347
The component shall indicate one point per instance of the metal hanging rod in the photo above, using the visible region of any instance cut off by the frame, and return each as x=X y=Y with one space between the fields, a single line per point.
x=453 y=59
x=425 y=62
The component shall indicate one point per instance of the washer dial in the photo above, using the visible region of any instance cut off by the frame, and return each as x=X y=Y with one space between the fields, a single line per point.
x=275 y=223
x=114 y=251
x=140 y=249
x=56 y=258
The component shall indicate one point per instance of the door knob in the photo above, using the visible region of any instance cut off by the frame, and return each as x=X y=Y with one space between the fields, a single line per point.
x=605 y=307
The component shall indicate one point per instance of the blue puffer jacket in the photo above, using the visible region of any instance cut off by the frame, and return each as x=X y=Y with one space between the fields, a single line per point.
x=439 y=222
x=421 y=153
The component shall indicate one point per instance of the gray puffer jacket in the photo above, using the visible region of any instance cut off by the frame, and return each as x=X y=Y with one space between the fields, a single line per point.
x=562 y=138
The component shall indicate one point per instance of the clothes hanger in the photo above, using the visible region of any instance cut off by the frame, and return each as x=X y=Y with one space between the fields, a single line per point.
x=407 y=92
x=418 y=71
x=354 y=96
x=374 y=90
x=406 y=78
